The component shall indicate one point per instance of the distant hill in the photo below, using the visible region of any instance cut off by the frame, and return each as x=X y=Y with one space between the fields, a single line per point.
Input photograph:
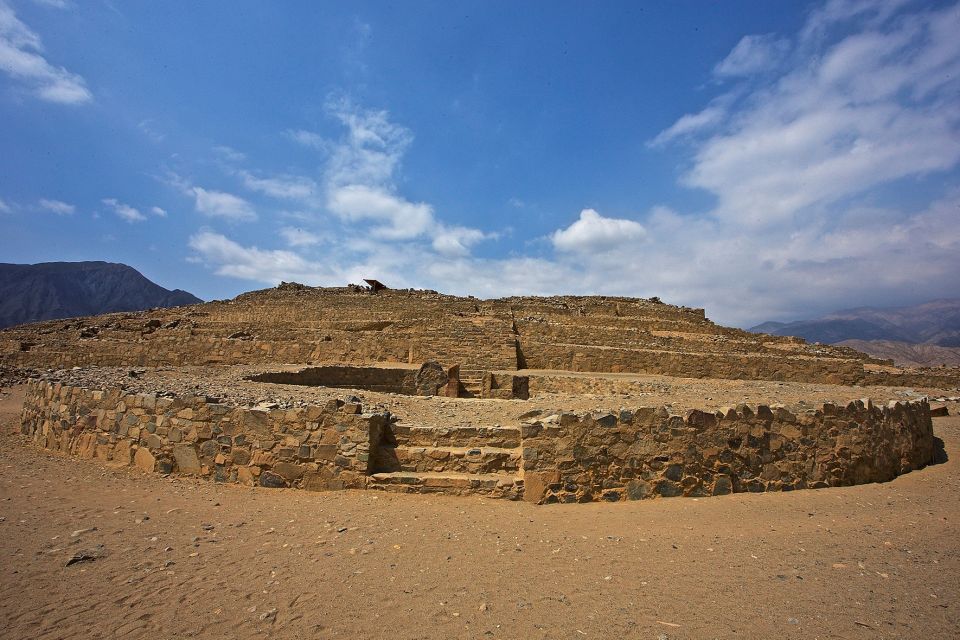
x=52 y=290
x=906 y=354
x=886 y=333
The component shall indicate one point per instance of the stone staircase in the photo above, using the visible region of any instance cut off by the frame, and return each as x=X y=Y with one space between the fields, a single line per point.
x=451 y=460
x=471 y=382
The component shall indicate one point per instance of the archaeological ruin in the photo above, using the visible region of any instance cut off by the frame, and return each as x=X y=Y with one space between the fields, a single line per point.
x=545 y=399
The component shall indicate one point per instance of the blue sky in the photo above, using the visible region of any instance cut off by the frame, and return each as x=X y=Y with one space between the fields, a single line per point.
x=764 y=160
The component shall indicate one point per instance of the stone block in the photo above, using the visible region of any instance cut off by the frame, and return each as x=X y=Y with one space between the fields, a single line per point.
x=122 y=453
x=288 y=471
x=144 y=460
x=186 y=457
x=245 y=476
x=272 y=480
x=637 y=490
x=535 y=485
x=321 y=480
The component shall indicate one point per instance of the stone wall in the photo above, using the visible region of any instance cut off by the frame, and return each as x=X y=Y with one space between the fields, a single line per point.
x=649 y=453
x=564 y=457
x=314 y=447
x=752 y=366
x=381 y=379
x=505 y=386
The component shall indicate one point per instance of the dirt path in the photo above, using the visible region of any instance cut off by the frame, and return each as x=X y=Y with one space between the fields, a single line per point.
x=195 y=559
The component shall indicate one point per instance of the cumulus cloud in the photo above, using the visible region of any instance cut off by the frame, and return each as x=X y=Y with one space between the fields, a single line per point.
x=457 y=241
x=4 y=207
x=124 y=211
x=397 y=218
x=21 y=57
x=159 y=212
x=219 y=204
x=594 y=233
x=57 y=206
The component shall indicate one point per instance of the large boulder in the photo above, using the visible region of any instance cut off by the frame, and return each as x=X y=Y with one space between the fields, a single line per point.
x=431 y=379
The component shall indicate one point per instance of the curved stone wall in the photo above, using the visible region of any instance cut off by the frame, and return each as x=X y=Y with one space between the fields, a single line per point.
x=315 y=447
x=565 y=457
x=648 y=452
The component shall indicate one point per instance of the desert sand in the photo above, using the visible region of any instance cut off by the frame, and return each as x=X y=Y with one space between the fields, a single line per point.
x=177 y=557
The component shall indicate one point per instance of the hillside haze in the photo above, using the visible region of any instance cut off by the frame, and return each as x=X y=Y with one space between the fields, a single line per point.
x=53 y=290
x=924 y=334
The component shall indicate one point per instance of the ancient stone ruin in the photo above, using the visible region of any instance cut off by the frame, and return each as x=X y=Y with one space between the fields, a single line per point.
x=412 y=391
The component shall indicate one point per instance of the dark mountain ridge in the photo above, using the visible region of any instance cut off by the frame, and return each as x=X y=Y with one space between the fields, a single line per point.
x=54 y=290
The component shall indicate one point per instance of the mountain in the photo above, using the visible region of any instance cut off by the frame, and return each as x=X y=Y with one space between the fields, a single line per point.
x=896 y=332
x=52 y=290
x=936 y=322
x=906 y=354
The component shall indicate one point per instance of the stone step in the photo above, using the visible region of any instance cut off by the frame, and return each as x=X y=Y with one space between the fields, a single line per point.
x=475 y=460
x=461 y=436
x=493 y=485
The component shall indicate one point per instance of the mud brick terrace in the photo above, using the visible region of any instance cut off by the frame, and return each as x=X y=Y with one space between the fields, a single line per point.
x=545 y=399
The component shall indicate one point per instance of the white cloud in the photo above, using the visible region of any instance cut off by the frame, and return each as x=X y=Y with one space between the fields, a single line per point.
x=219 y=204
x=251 y=263
x=798 y=156
x=871 y=108
x=402 y=220
x=296 y=237
x=361 y=183
x=690 y=123
x=284 y=187
x=159 y=212
x=229 y=153
x=21 y=58
x=4 y=207
x=307 y=138
x=593 y=233
x=753 y=54
x=124 y=211
x=57 y=206
x=372 y=149
x=456 y=241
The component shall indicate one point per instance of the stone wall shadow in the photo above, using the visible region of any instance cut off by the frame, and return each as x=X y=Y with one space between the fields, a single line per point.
x=939 y=452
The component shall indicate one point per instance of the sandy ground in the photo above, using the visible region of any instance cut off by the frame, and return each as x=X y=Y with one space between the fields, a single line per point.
x=184 y=558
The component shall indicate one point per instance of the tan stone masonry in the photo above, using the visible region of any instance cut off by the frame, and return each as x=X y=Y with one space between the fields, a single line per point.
x=642 y=453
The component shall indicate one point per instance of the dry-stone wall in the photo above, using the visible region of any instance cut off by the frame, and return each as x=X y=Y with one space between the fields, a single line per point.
x=382 y=379
x=648 y=452
x=564 y=457
x=317 y=447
